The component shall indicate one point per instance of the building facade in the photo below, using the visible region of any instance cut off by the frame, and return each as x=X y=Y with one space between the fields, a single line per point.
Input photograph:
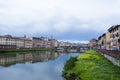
x=104 y=41
x=115 y=37
x=45 y=42
x=28 y=43
x=36 y=42
x=108 y=41
x=93 y=43
x=54 y=43
x=8 y=42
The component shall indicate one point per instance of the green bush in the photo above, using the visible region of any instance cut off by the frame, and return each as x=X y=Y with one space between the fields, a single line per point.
x=68 y=66
x=70 y=63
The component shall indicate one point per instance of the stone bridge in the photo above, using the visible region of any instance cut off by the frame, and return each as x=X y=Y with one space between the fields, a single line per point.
x=75 y=48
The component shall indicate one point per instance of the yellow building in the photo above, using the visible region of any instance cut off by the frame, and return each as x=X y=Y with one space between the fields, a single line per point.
x=108 y=40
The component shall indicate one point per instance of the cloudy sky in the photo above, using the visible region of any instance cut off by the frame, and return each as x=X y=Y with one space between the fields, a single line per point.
x=78 y=20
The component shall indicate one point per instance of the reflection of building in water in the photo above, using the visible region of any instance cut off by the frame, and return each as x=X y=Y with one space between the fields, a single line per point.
x=44 y=56
x=7 y=60
x=28 y=57
x=62 y=53
x=36 y=57
x=54 y=55
x=10 y=59
x=48 y=55
x=20 y=58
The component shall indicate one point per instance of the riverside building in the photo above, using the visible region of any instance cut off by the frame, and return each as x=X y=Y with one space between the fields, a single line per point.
x=111 y=39
x=9 y=42
x=115 y=37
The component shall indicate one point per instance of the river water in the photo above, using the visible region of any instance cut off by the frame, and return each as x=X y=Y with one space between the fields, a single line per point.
x=33 y=66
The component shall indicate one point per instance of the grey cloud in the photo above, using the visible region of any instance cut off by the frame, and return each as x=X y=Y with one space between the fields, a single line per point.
x=57 y=16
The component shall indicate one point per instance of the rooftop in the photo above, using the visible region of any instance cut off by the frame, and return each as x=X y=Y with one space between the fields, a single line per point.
x=113 y=27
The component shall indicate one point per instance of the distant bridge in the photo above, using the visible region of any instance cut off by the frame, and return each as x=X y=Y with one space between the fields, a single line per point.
x=74 y=48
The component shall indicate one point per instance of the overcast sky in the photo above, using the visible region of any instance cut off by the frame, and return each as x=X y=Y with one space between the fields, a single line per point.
x=78 y=20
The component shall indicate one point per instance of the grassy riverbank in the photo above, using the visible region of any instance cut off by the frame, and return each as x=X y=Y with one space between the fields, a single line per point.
x=90 y=66
x=26 y=50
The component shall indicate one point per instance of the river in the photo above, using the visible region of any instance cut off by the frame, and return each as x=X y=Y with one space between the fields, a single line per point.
x=33 y=66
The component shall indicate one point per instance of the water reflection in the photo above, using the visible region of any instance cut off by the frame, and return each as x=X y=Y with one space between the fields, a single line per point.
x=11 y=59
x=33 y=66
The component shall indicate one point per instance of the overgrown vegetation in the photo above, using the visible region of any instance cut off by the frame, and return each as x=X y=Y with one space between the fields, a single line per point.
x=91 y=66
x=68 y=66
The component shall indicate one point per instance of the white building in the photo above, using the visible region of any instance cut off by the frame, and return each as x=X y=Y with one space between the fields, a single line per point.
x=8 y=41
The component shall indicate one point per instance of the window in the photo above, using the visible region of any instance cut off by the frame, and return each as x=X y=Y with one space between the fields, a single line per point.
x=117 y=35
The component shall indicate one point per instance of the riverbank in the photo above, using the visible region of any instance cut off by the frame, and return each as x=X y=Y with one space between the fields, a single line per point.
x=90 y=66
x=26 y=50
